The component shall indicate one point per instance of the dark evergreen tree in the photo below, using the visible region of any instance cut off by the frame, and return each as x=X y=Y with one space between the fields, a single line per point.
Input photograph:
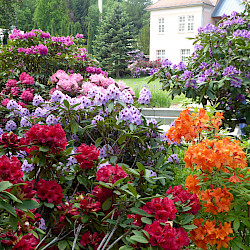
x=114 y=41
x=48 y=10
x=143 y=39
x=7 y=13
x=78 y=10
x=24 y=14
x=90 y=38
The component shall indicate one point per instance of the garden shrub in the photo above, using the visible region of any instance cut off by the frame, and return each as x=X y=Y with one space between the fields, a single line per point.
x=142 y=67
x=218 y=71
x=41 y=55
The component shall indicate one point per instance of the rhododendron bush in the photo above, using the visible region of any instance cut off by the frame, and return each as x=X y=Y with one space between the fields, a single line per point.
x=51 y=196
x=40 y=55
x=217 y=73
x=220 y=180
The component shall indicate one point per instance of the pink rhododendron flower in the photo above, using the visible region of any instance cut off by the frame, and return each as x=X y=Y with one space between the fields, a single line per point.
x=26 y=79
x=26 y=96
x=5 y=101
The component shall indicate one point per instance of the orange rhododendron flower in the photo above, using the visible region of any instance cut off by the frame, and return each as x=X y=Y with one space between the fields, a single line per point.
x=190 y=126
x=217 y=200
x=192 y=184
x=215 y=154
x=212 y=234
x=234 y=179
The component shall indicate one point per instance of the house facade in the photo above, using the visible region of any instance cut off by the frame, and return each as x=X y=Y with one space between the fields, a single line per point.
x=173 y=21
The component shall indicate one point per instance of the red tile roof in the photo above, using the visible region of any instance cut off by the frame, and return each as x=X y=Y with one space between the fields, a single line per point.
x=161 y=4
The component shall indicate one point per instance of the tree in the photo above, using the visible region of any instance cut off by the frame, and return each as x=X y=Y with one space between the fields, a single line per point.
x=78 y=13
x=48 y=10
x=7 y=13
x=114 y=41
x=137 y=14
x=90 y=38
x=143 y=39
x=25 y=14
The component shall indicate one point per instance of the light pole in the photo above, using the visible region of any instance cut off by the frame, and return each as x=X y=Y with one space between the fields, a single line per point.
x=100 y=10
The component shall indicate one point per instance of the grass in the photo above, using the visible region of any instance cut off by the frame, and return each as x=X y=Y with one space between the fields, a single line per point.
x=160 y=98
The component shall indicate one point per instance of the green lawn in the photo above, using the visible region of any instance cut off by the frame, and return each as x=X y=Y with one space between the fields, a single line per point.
x=159 y=97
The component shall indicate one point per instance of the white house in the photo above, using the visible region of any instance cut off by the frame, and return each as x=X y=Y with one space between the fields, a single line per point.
x=173 y=21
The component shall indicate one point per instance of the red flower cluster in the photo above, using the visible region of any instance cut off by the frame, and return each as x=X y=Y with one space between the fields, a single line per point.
x=10 y=169
x=26 y=79
x=182 y=195
x=87 y=157
x=67 y=210
x=26 y=191
x=43 y=135
x=27 y=242
x=92 y=240
x=89 y=205
x=27 y=222
x=137 y=219
x=166 y=236
x=9 y=140
x=101 y=193
x=162 y=209
x=110 y=174
x=49 y=190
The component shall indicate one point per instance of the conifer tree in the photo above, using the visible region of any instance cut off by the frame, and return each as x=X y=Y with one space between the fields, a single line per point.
x=46 y=10
x=90 y=38
x=113 y=41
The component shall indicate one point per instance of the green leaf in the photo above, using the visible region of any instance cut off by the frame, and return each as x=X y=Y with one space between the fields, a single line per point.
x=98 y=142
x=5 y=185
x=6 y=206
x=236 y=224
x=84 y=218
x=132 y=190
x=105 y=185
x=110 y=106
x=11 y=196
x=139 y=211
x=50 y=205
x=140 y=239
x=63 y=244
x=146 y=220
x=126 y=248
x=13 y=222
x=43 y=148
x=28 y=204
x=140 y=167
x=189 y=227
x=74 y=127
x=107 y=204
x=113 y=159
x=187 y=219
x=120 y=181
x=122 y=138
x=40 y=231
x=66 y=103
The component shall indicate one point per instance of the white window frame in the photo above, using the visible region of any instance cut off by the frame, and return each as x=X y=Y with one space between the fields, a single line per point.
x=160 y=54
x=190 y=23
x=161 y=26
x=181 y=23
x=185 y=53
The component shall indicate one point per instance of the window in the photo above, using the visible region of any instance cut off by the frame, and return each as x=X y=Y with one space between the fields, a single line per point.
x=181 y=23
x=185 y=53
x=190 y=23
x=160 y=54
x=161 y=25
